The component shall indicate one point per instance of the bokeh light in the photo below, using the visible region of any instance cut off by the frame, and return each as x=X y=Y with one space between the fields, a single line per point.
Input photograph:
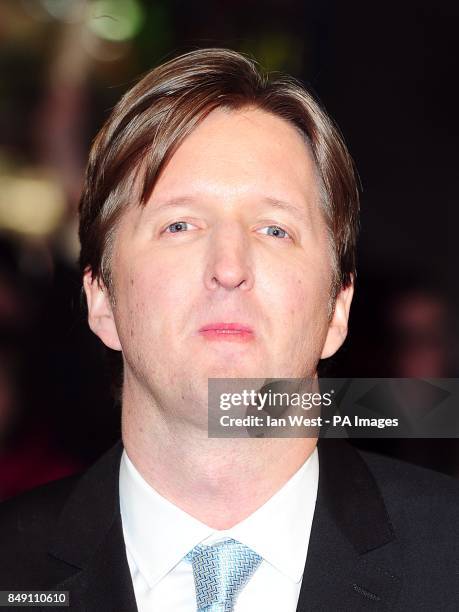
x=116 y=20
x=31 y=203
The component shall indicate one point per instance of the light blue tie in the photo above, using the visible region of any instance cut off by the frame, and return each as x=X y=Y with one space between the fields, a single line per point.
x=220 y=572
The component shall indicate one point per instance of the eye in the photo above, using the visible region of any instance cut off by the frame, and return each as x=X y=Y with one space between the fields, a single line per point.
x=177 y=226
x=276 y=231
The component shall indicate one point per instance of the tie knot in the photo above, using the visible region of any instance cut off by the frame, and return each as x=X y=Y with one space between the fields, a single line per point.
x=220 y=572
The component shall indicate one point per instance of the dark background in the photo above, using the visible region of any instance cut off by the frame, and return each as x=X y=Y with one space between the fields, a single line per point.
x=386 y=72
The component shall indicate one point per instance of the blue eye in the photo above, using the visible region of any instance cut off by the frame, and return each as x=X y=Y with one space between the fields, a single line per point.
x=177 y=227
x=277 y=231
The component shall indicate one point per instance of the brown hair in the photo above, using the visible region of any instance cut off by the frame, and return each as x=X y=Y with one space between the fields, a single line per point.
x=152 y=119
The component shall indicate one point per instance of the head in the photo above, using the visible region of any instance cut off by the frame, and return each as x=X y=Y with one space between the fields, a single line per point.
x=214 y=194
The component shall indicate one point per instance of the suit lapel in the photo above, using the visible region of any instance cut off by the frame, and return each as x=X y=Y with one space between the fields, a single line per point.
x=353 y=557
x=89 y=539
x=105 y=583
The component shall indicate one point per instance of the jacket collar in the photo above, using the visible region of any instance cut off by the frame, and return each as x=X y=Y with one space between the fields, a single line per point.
x=352 y=559
x=89 y=538
x=353 y=555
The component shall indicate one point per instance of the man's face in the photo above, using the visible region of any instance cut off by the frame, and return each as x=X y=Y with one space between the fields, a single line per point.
x=232 y=233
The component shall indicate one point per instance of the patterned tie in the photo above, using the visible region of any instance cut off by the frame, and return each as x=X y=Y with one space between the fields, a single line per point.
x=220 y=572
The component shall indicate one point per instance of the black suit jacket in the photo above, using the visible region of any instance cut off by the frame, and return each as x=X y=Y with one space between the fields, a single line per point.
x=385 y=536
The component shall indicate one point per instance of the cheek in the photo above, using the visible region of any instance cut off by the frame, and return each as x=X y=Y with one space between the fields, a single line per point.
x=303 y=306
x=150 y=296
x=302 y=296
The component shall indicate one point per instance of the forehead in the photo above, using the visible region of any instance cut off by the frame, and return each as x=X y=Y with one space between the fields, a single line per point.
x=232 y=153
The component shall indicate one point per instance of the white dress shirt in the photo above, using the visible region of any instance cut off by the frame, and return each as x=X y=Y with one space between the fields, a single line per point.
x=158 y=534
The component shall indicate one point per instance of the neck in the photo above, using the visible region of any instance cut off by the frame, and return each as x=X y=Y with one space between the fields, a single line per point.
x=220 y=481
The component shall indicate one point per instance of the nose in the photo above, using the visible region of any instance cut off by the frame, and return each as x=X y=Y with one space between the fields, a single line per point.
x=229 y=263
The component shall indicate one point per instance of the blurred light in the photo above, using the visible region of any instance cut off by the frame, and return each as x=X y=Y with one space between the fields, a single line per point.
x=104 y=50
x=64 y=10
x=116 y=20
x=31 y=204
x=36 y=10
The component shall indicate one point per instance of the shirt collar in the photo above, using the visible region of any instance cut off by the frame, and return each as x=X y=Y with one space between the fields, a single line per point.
x=158 y=534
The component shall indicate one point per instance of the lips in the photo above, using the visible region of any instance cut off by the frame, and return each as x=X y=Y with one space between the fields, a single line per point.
x=236 y=332
x=227 y=327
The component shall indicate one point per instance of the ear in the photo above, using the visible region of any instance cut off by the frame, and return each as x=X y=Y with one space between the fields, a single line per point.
x=337 y=329
x=100 y=313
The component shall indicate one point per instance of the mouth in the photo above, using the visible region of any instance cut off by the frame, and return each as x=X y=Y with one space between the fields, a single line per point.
x=233 y=332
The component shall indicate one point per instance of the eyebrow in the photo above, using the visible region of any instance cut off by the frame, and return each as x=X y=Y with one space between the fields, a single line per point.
x=176 y=202
x=173 y=202
x=282 y=205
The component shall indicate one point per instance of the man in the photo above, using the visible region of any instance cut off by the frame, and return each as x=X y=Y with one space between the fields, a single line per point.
x=259 y=184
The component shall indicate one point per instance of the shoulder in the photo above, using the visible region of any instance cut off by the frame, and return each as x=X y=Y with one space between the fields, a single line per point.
x=26 y=524
x=72 y=509
x=35 y=510
x=38 y=509
x=422 y=505
x=415 y=484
